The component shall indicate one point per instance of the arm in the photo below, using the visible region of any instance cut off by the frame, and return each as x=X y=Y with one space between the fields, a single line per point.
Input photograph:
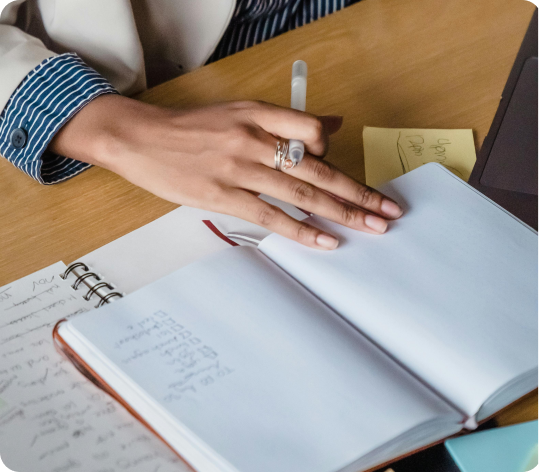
x=219 y=157
x=216 y=158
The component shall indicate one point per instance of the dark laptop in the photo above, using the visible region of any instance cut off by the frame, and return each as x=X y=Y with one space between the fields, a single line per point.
x=507 y=166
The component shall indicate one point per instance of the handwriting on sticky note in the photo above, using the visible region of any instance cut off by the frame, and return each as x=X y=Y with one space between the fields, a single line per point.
x=392 y=152
x=51 y=417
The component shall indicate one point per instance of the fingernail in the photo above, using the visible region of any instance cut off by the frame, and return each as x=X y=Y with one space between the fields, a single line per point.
x=375 y=223
x=326 y=241
x=390 y=208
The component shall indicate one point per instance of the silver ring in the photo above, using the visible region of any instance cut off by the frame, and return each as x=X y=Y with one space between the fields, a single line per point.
x=278 y=153
x=281 y=155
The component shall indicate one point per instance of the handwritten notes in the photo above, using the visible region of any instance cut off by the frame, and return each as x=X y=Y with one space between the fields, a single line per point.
x=51 y=418
x=390 y=153
x=190 y=363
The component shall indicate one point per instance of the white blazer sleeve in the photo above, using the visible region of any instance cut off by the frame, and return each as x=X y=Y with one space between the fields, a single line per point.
x=102 y=32
x=20 y=53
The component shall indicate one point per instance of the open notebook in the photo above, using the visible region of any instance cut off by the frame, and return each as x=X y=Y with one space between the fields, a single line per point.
x=283 y=358
x=53 y=419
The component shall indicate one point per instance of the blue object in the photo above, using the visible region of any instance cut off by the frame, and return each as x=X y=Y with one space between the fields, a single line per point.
x=47 y=98
x=506 y=449
x=18 y=138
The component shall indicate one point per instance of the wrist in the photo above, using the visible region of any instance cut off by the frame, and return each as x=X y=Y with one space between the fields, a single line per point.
x=103 y=132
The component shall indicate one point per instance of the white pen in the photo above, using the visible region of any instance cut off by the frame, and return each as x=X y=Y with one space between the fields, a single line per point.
x=298 y=102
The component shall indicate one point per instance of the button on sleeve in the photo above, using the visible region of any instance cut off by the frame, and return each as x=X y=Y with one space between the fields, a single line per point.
x=18 y=138
x=46 y=99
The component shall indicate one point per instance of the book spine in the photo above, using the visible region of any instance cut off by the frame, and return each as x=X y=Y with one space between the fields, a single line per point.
x=82 y=275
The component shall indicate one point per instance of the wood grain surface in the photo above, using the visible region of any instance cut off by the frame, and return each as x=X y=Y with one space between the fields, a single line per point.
x=390 y=63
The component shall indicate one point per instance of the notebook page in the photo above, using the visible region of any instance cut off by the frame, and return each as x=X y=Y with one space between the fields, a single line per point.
x=257 y=368
x=168 y=243
x=51 y=418
x=450 y=289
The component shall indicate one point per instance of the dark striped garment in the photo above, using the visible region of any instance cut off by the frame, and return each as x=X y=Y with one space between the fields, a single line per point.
x=255 y=21
x=46 y=99
x=61 y=85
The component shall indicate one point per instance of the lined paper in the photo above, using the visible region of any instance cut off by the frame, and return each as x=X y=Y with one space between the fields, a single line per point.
x=51 y=418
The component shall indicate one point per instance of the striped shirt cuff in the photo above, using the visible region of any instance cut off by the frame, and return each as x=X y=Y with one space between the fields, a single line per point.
x=44 y=101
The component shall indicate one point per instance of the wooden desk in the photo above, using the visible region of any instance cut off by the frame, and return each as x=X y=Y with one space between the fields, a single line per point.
x=391 y=63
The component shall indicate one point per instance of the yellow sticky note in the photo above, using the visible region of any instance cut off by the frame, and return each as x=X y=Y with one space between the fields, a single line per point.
x=392 y=152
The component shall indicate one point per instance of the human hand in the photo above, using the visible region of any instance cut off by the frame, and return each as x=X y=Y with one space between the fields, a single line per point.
x=220 y=157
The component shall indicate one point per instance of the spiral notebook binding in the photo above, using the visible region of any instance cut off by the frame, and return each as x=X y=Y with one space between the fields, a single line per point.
x=80 y=279
x=96 y=286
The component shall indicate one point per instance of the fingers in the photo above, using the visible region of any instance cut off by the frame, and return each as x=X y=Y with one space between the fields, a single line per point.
x=305 y=195
x=293 y=124
x=313 y=185
x=248 y=207
x=326 y=177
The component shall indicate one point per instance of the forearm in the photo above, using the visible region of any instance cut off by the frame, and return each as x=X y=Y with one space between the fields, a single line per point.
x=218 y=157
x=104 y=129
